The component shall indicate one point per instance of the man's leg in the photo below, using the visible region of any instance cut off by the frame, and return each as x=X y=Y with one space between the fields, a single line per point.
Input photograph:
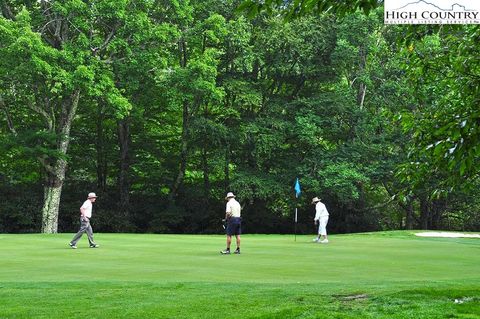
x=229 y=241
x=238 y=232
x=89 y=232
x=238 y=241
x=76 y=238
x=323 y=229
x=237 y=251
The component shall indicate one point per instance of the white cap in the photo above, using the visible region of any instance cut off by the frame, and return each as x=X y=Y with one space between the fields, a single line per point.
x=229 y=195
x=92 y=195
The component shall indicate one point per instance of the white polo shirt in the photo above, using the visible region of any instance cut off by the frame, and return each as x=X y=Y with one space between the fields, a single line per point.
x=320 y=211
x=87 y=206
x=233 y=208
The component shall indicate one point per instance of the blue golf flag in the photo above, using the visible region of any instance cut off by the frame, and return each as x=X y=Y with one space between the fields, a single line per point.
x=298 y=191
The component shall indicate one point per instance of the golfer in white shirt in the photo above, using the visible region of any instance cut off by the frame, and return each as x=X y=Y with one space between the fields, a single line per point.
x=321 y=218
x=234 y=222
x=85 y=227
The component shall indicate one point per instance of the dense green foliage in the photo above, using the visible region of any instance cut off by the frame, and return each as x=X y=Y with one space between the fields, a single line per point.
x=382 y=275
x=291 y=9
x=161 y=107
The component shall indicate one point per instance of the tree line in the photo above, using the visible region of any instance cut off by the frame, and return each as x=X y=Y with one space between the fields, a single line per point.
x=162 y=106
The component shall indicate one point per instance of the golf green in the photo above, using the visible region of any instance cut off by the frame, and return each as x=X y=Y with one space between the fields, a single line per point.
x=370 y=275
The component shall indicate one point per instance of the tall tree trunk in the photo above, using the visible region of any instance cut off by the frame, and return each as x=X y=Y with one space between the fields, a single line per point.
x=11 y=127
x=56 y=168
x=438 y=207
x=182 y=50
x=123 y=180
x=51 y=203
x=101 y=152
x=206 y=173
x=255 y=69
x=362 y=87
x=362 y=90
x=227 y=169
x=407 y=207
x=424 y=213
x=183 y=153
x=409 y=216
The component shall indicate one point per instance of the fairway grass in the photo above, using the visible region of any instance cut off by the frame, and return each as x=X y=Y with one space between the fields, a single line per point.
x=370 y=275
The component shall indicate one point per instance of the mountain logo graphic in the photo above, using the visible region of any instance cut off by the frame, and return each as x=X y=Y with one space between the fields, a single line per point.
x=434 y=6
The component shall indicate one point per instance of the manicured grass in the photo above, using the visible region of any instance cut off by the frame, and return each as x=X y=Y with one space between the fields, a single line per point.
x=371 y=275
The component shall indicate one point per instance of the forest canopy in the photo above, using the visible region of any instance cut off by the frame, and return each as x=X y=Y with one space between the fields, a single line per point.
x=161 y=107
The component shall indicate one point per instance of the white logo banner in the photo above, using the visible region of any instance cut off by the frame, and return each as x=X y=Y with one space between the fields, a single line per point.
x=432 y=12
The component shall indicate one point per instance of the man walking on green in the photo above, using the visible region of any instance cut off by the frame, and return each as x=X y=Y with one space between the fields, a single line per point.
x=85 y=227
x=234 y=222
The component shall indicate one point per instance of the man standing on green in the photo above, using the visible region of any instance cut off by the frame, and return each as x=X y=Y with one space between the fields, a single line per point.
x=321 y=218
x=234 y=222
x=85 y=227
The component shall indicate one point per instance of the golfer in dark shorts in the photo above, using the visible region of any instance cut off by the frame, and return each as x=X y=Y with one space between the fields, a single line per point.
x=234 y=222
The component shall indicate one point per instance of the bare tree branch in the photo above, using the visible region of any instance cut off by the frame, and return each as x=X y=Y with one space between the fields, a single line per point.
x=48 y=119
x=49 y=168
x=107 y=40
x=11 y=127
x=7 y=11
x=52 y=24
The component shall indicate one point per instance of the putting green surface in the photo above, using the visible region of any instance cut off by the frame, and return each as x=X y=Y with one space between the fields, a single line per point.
x=371 y=275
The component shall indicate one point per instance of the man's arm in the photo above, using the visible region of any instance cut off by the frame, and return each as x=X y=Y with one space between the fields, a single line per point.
x=317 y=215
x=228 y=211
x=83 y=210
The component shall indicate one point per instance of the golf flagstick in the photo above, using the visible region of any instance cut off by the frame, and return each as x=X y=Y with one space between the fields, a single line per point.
x=295 y=223
x=298 y=191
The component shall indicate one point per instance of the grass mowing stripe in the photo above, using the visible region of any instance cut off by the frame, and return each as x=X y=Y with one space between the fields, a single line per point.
x=203 y=300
